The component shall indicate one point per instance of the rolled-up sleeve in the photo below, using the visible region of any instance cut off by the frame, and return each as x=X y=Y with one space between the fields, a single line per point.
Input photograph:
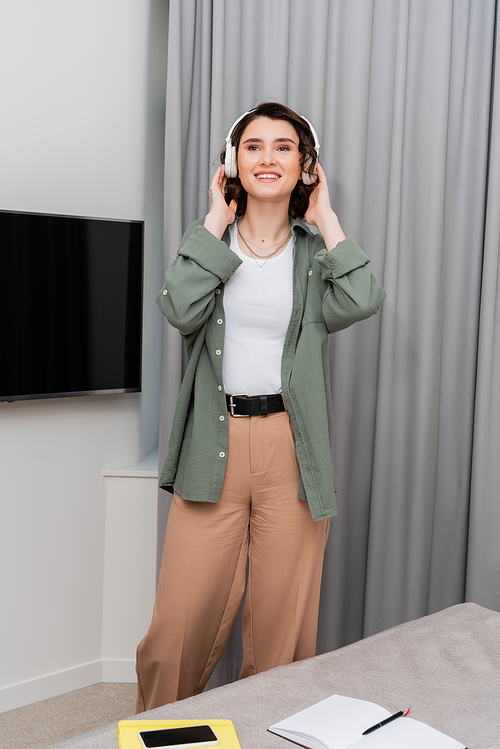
x=203 y=262
x=353 y=293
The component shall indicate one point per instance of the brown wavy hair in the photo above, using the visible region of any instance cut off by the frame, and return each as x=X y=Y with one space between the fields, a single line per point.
x=299 y=199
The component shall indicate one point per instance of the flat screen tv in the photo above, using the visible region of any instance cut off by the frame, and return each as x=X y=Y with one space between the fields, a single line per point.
x=70 y=305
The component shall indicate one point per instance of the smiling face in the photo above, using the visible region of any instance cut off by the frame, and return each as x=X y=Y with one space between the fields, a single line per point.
x=269 y=160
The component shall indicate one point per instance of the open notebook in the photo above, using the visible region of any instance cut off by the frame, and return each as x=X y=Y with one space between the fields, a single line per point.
x=339 y=722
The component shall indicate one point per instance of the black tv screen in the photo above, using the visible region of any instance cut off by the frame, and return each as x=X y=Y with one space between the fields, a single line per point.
x=70 y=305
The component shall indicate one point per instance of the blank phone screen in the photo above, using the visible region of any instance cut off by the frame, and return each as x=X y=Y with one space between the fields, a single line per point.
x=177 y=736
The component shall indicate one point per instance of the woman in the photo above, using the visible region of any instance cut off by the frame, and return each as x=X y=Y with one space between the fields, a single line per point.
x=254 y=293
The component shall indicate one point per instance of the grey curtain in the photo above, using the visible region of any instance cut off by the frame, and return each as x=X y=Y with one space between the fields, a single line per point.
x=483 y=585
x=402 y=94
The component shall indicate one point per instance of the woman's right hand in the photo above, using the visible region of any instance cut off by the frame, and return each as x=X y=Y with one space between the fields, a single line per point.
x=221 y=214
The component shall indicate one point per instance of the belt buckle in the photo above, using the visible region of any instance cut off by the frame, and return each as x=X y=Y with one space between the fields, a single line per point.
x=232 y=405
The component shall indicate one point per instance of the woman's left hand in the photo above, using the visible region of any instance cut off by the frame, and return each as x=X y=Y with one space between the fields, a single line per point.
x=320 y=213
x=319 y=199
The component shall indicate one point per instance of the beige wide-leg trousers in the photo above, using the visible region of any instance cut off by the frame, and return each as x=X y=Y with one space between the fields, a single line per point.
x=204 y=569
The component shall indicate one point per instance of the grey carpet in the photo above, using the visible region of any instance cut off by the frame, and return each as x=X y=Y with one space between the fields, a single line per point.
x=45 y=723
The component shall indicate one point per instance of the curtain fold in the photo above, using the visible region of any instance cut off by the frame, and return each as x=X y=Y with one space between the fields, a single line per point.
x=187 y=175
x=434 y=245
x=400 y=94
x=483 y=567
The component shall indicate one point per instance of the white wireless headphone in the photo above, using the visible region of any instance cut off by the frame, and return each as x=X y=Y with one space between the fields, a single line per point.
x=231 y=165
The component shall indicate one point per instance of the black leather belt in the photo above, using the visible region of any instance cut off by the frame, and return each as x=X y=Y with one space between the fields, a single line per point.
x=254 y=405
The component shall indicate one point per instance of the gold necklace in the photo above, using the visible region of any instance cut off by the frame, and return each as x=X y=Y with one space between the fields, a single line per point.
x=280 y=244
x=269 y=245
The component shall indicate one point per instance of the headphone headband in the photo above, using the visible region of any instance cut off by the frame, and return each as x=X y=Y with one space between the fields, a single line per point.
x=231 y=165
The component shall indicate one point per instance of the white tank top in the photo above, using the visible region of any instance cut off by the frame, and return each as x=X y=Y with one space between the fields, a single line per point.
x=257 y=306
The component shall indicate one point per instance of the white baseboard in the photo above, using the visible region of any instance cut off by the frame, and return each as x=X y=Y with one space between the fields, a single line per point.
x=67 y=680
x=50 y=685
x=120 y=670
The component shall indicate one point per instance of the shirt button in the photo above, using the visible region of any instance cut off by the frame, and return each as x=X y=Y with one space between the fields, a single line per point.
x=220 y=321
x=218 y=352
x=165 y=292
x=222 y=455
x=219 y=388
x=221 y=418
x=310 y=273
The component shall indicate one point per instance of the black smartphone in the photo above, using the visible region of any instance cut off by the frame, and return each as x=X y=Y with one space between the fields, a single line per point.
x=182 y=737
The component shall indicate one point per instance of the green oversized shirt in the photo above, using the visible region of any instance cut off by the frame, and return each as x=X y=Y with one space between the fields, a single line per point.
x=331 y=290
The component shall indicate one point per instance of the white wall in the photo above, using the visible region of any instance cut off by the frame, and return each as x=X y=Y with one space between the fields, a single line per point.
x=82 y=94
x=129 y=567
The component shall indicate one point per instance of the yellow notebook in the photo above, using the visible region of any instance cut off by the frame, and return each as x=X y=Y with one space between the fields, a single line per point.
x=128 y=730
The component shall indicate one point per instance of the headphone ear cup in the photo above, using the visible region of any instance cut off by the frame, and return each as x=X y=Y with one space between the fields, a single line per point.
x=307 y=178
x=231 y=167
